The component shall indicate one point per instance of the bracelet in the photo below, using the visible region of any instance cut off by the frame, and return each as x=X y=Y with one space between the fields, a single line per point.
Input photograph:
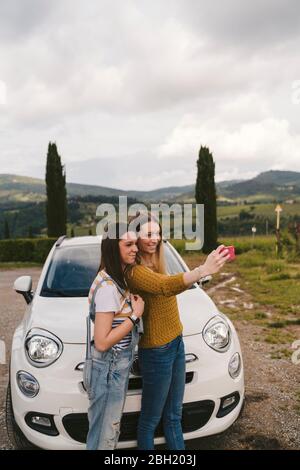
x=202 y=276
x=198 y=270
x=131 y=320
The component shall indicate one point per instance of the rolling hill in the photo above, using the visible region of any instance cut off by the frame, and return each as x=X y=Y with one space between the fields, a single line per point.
x=267 y=186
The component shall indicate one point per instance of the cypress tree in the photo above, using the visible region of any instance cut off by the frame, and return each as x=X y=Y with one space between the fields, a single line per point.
x=205 y=193
x=56 y=204
x=6 y=229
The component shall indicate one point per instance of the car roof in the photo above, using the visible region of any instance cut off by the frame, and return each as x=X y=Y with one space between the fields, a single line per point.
x=85 y=240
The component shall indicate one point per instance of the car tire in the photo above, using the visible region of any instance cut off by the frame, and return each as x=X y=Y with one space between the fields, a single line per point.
x=15 y=435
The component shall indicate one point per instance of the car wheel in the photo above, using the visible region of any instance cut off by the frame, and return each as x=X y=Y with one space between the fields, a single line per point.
x=15 y=434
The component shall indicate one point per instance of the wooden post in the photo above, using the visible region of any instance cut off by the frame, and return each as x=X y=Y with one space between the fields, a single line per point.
x=267 y=226
x=297 y=236
x=253 y=235
x=278 y=209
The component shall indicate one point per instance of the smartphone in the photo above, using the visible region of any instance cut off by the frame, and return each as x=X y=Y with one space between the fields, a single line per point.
x=231 y=252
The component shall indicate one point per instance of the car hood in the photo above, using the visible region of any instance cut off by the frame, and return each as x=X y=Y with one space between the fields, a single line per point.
x=196 y=308
x=66 y=317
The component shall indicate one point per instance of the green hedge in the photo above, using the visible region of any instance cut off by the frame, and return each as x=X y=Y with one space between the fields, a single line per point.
x=242 y=244
x=26 y=249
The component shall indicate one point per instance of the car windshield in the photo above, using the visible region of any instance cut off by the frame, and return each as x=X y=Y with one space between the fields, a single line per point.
x=73 y=269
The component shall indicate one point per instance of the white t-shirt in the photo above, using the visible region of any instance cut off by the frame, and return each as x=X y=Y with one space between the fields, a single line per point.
x=109 y=299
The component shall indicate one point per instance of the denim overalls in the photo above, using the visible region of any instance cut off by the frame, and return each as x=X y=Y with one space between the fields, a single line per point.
x=105 y=376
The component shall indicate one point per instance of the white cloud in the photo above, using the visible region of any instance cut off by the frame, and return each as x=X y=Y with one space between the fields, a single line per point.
x=148 y=83
x=254 y=139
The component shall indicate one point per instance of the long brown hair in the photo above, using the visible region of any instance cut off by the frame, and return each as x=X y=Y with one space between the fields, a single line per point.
x=158 y=257
x=110 y=252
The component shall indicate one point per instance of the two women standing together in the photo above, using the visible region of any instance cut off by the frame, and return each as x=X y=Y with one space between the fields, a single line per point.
x=132 y=283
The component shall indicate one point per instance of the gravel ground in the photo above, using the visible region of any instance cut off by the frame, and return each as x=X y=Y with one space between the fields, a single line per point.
x=270 y=418
x=12 y=309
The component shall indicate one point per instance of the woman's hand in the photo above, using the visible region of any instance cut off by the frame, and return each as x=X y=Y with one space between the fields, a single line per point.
x=137 y=305
x=216 y=260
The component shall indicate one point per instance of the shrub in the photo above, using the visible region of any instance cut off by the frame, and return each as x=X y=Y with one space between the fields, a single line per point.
x=24 y=249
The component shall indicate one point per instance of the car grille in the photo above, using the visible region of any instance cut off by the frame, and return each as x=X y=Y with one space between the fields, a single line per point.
x=194 y=416
x=136 y=383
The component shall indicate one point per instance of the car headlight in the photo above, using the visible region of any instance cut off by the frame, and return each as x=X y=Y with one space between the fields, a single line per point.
x=234 y=366
x=42 y=348
x=216 y=334
x=28 y=384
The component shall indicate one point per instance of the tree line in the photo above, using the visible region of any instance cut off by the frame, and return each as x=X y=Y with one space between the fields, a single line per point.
x=57 y=210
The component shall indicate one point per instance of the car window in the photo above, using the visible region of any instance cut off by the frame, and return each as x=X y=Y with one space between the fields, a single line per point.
x=173 y=264
x=73 y=269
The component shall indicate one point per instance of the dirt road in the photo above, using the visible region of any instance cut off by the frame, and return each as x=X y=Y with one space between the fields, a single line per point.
x=270 y=419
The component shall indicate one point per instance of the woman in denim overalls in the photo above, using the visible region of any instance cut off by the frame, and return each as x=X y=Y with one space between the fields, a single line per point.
x=116 y=334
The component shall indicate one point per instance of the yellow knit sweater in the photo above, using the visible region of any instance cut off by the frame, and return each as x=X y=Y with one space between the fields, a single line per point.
x=161 y=317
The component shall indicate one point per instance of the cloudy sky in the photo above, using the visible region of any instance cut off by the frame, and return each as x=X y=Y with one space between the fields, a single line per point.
x=129 y=90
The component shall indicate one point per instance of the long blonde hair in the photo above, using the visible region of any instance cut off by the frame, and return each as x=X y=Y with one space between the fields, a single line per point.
x=159 y=256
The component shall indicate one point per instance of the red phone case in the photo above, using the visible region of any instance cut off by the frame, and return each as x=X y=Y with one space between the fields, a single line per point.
x=231 y=252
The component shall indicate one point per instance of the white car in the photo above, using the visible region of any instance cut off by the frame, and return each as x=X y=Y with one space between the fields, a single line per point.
x=46 y=402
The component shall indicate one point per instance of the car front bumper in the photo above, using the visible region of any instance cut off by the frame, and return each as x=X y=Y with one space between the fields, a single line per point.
x=62 y=396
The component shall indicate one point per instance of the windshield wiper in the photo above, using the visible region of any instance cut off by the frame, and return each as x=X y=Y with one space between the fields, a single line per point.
x=57 y=293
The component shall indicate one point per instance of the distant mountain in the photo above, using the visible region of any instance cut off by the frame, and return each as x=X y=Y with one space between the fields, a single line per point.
x=274 y=183
x=22 y=188
x=278 y=177
x=225 y=184
x=220 y=186
x=269 y=185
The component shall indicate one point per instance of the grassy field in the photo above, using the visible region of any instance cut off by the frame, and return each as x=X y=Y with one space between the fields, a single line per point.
x=272 y=285
x=262 y=243
x=269 y=285
x=267 y=210
x=263 y=211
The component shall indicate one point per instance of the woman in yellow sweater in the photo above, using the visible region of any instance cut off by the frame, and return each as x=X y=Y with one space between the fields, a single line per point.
x=161 y=348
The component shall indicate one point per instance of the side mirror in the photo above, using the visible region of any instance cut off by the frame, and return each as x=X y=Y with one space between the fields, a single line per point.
x=23 y=285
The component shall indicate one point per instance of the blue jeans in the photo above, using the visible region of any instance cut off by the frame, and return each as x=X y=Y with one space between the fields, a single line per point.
x=163 y=372
x=107 y=393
